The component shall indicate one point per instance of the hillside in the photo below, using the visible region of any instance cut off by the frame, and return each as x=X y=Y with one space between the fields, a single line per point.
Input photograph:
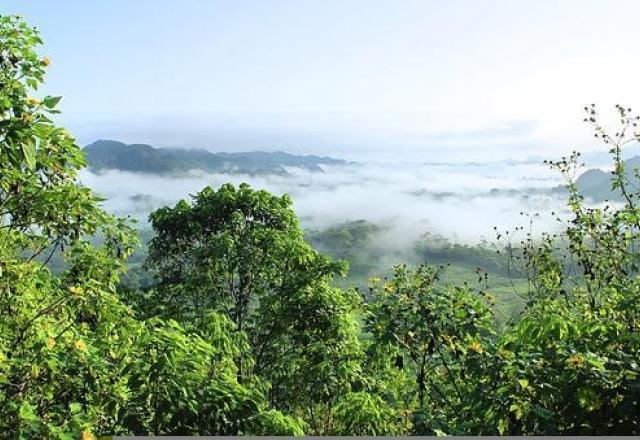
x=108 y=154
x=595 y=184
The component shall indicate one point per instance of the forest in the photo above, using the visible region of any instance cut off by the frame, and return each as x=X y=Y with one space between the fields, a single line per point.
x=244 y=327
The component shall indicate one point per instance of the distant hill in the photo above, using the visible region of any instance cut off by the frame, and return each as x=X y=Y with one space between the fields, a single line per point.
x=595 y=184
x=106 y=154
x=356 y=241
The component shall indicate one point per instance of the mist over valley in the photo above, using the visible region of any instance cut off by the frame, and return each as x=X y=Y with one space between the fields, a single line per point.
x=408 y=199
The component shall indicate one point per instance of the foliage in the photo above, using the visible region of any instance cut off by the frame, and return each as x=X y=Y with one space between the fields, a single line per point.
x=435 y=329
x=229 y=249
x=241 y=252
x=53 y=329
x=73 y=359
x=365 y=414
x=311 y=352
x=184 y=384
x=353 y=241
x=438 y=250
x=244 y=332
x=576 y=344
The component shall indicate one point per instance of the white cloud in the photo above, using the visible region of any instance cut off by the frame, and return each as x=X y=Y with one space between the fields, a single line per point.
x=412 y=198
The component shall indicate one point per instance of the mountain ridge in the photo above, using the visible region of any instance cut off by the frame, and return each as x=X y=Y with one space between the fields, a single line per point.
x=595 y=183
x=143 y=158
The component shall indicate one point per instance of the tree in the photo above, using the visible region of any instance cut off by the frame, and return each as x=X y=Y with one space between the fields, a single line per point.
x=49 y=324
x=435 y=329
x=311 y=352
x=361 y=413
x=184 y=382
x=572 y=355
x=74 y=361
x=241 y=252
x=228 y=250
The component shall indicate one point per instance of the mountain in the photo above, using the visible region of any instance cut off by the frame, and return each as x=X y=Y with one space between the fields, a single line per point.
x=595 y=184
x=107 y=154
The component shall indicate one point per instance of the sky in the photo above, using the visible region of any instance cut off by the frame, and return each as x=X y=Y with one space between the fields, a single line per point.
x=434 y=80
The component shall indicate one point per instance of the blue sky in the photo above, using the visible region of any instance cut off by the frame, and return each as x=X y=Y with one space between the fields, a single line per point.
x=436 y=79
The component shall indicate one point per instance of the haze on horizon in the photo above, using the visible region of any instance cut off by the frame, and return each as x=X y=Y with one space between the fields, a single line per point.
x=426 y=79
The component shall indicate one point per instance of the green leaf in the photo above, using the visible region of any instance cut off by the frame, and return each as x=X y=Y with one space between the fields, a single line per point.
x=516 y=410
x=51 y=101
x=29 y=153
x=502 y=426
x=27 y=412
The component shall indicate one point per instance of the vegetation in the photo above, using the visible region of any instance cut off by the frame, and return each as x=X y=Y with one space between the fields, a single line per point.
x=73 y=358
x=243 y=330
x=595 y=184
x=353 y=241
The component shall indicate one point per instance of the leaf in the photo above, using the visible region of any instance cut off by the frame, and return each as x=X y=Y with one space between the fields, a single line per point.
x=27 y=412
x=29 y=153
x=502 y=426
x=596 y=363
x=517 y=410
x=51 y=101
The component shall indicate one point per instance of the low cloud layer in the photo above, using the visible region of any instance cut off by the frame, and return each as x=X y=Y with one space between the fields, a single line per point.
x=463 y=202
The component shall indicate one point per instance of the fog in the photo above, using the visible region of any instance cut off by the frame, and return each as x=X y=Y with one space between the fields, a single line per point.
x=460 y=201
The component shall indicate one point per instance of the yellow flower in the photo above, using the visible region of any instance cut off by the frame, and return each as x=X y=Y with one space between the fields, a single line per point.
x=50 y=342
x=576 y=361
x=86 y=435
x=46 y=61
x=33 y=101
x=76 y=290
x=476 y=347
x=81 y=345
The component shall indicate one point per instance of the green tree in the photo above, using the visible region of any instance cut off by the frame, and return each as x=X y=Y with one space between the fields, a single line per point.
x=184 y=382
x=241 y=252
x=51 y=327
x=311 y=354
x=361 y=413
x=573 y=366
x=73 y=359
x=227 y=250
x=435 y=328
x=568 y=364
